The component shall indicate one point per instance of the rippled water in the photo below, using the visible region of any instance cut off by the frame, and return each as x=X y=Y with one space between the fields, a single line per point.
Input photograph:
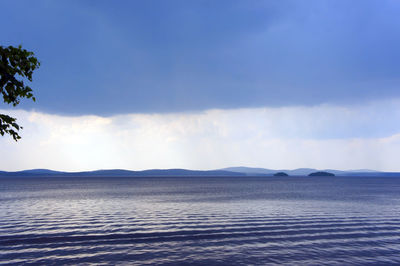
x=206 y=221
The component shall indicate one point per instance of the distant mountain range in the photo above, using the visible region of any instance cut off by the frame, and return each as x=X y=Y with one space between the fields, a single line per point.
x=230 y=171
x=250 y=171
x=122 y=173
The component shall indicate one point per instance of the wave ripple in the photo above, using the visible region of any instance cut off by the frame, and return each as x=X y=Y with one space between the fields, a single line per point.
x=222 y=221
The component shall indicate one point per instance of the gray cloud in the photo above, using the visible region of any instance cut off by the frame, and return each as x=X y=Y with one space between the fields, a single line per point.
x=153 y=56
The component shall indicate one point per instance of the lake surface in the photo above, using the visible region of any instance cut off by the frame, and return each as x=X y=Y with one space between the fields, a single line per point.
x=200 y=221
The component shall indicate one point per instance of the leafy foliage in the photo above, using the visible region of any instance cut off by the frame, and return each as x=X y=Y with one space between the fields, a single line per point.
x=16 y=66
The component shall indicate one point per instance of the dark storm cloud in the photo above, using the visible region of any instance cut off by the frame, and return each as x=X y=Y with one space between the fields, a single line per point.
x=110 y=57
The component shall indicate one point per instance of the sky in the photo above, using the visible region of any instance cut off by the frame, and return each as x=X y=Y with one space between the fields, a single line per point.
x=207 y=84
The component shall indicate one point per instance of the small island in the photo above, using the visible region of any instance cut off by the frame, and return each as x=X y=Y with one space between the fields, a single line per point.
x=281 y=174
x=321 y=174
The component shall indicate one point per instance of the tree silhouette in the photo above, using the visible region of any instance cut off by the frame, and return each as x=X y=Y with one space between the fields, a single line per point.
x=16 y=66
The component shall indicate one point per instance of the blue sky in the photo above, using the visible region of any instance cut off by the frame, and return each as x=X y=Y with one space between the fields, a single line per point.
x=278 y=60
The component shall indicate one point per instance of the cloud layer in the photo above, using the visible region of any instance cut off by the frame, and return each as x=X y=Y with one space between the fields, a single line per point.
x=325 y=136
x=162 y=56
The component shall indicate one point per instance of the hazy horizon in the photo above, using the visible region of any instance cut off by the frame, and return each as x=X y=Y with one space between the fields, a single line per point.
x=246 y=169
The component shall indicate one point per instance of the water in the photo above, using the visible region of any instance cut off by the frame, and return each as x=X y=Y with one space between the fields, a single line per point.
x=200 y=221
